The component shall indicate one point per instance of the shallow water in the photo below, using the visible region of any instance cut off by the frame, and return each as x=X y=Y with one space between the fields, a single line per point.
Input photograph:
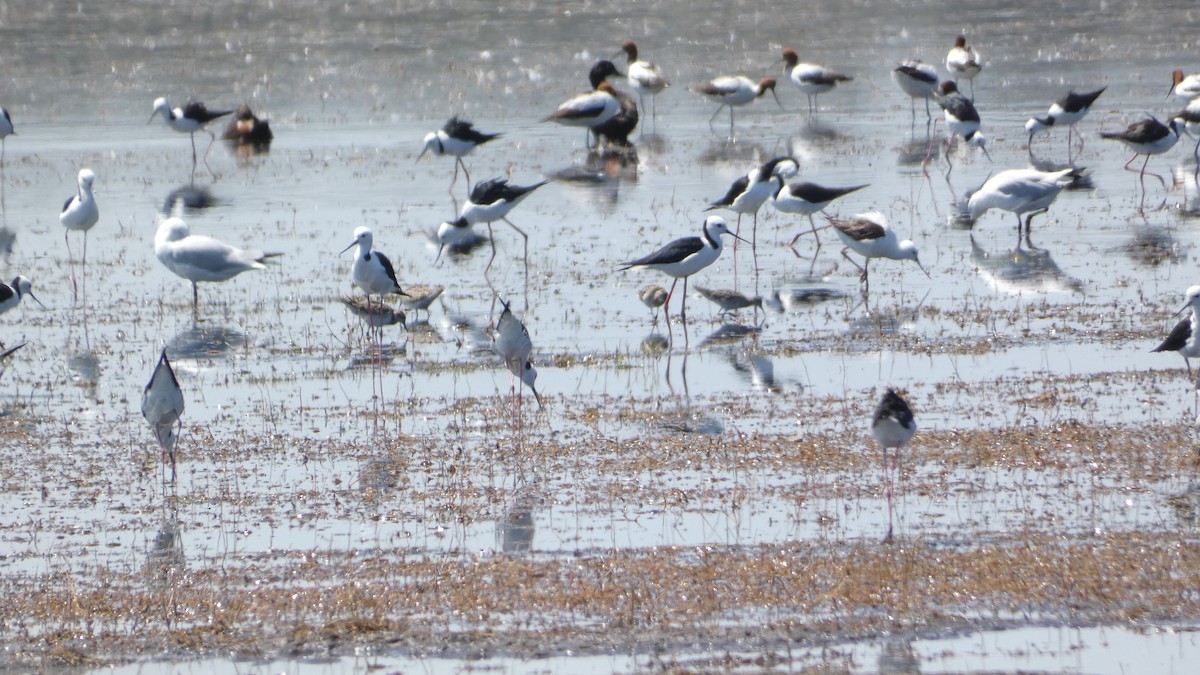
x=274 y=373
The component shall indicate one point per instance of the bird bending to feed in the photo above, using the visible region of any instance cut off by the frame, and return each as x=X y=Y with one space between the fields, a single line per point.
x=918 y=80
x=514 y=346
x=644 y=77
x=1185 y=337
x=376 y=313
x=489 y=201
x=197 y=257
x=748 y=193
x=734 y=91
x=247 y=129
x=1183 y=86
x=162 y=406
x=1020 y=191
x=1147 y=137
x=729 y=301
x=961 y=117
x=892 y=426
x=1066 y=111
x=810 y=78
x=653 y=297
x=807 y=199
x=12 y=294
x=188 y=120
x=964 y=62
x=684 y=257
x=869 y=235
x=587 y=110
x=80 y=213
x=457 y=138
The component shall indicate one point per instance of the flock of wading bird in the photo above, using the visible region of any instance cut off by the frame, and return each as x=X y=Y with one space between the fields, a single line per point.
x=610 y=115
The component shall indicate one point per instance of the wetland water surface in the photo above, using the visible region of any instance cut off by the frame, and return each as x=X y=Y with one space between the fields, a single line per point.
x=709 y=503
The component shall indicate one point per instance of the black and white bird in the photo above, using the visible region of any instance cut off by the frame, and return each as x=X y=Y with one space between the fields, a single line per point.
x=11 y=294
x=748 y=193
x=457 y=138
x=684 y=257
x=734 y=91
x=513 y=344
x=961 y=117
x=489 y=201
x=963 y=62
x=197 y=258
x=80 y=213
x=1185 y=337
x=162 y=406
x=1066 y=111
x=189 y=119
x=810 y=78
x=919 y=81
x=869 y=235
x=1147 y=137
x=892 y=426
x=588 y=110
x=644 y=77
x=807 y=199
x=1020 y=191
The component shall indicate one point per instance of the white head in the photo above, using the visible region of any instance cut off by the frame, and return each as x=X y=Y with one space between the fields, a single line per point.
x=171 y=229
x=363 y=238
x=24 y=287
x=85 y=178
x=1191 y=298
x=432 y=144
x=1036 y=125
x=161 y=107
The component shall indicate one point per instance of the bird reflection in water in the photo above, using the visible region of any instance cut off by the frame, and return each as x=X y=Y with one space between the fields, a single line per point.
x=730 y=333
x=1153 y=245
x=165 y=561
x=186 y=198
x=515 y=529
x=205 y=341
x=1022 y=269
x=84 y=366
x=756 y=368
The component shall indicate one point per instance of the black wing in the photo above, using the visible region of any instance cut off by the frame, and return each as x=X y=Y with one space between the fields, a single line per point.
x=739 y=186
x=7 y=292
x=960 y=106
x=1178 y=337
x=917 y=74
x=1073 y=102
x=391 y=272
x=498 y=189
x=67 y=204
x=1142 y=131
x=200 y=112
x=465 y=131
x=671 y=253
x=895 y=407
x=819 y=194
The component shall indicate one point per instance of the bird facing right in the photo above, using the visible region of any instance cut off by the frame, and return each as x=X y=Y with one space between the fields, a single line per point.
x=197 y=258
